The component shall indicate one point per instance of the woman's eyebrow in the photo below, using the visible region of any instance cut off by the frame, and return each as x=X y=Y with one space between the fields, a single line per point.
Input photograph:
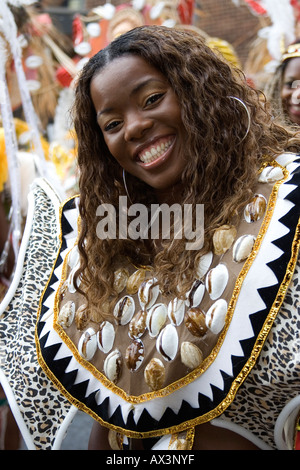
x=104 y=111
x=144 y=84
x=134 y=91
x=290 y=78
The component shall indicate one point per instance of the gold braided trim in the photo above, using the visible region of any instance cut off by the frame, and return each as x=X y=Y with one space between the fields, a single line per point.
x=39 y=355
x=188 y=440
x=237 y=382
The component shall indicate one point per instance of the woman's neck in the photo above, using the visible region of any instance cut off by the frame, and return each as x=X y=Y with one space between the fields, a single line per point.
x=170 y=195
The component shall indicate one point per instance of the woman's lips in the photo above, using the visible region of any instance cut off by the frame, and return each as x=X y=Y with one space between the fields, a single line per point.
x=155 y=153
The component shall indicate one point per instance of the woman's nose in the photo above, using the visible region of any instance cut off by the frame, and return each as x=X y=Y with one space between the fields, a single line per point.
x=136 y=124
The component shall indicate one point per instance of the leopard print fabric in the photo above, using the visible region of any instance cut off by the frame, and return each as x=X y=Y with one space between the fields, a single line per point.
x=275 y=379
x=42 y=407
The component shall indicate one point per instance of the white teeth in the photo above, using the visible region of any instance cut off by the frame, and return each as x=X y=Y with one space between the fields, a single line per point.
x=155 y=152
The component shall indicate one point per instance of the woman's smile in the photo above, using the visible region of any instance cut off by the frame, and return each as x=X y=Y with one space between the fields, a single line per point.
x=140 y=118
x=290 y=92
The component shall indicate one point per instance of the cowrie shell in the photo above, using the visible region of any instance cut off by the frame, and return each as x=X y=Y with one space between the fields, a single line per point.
x=194 y=321
x=137 y=325
x=176 y=309
x=81 y=317
x=112 y=366
x=71 y=285
x=154 y=374
x=87 y=345
x=223 y=238
x=195 y=294
x=135 y=280
x=156 y=318
x=216 y=281
x=134 y=355
x=148 y=293
x=167 y=342
x=120 y=280
x=191 y=355
x=204 y=264
x=242 y=247
x=105 y=336
x=215 y=317
x=66 y=314
x=124 y=309
x=270 y=174
x=255 y=209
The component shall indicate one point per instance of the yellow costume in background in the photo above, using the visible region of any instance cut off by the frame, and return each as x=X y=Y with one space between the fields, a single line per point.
x=62 y=159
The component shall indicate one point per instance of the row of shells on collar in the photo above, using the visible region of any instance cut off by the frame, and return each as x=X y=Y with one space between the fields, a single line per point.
x=160 y=321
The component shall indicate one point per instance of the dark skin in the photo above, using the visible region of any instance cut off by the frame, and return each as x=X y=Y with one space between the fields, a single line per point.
x=207 y=437
x=139 y=118
x=12 y=438
x=290 y=92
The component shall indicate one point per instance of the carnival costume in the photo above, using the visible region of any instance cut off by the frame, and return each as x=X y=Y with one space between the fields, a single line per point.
x=155 y=369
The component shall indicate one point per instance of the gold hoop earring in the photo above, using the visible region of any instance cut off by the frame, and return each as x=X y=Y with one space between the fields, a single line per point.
x=248 y=115
x=125 y=186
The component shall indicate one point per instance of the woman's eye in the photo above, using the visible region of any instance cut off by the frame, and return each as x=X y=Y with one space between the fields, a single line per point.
x=290 y=84
x=111 y=126
x=153 y=98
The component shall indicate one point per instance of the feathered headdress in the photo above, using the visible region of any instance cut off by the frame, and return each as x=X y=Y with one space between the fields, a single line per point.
x=281 y=32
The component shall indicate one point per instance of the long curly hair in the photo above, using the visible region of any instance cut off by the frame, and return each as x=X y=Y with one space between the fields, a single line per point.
x=222 y=166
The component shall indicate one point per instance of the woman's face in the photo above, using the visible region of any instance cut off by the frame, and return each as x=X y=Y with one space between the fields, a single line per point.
x=290 y=93
x=140 y=118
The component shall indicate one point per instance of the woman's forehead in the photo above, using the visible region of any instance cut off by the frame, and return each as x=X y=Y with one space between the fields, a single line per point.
x=129 y=69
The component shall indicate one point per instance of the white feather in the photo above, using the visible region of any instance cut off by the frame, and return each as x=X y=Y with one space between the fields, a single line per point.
x=282 y=30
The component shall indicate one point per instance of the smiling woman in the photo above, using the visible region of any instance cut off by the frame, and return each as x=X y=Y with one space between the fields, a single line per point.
x=168 y=347
x=141 y=121
x=283 y=89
